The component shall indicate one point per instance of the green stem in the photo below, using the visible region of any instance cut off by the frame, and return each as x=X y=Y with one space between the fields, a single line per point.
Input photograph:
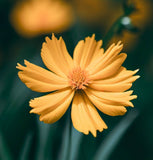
x=70 y=138
x=114 y=28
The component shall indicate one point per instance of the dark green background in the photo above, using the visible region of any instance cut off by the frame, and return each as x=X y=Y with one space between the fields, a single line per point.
x=22 y=136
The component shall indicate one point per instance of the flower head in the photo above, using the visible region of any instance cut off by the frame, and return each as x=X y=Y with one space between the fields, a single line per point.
x=94 y=78
x=35 y=17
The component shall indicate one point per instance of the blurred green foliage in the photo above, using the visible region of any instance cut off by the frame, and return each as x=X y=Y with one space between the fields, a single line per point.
x=23 y=136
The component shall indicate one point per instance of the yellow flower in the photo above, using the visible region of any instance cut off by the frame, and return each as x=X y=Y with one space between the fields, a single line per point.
x=35 y=17
x=94 y=78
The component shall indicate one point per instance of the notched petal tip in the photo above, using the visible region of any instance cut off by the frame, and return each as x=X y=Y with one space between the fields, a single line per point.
x=123 y=112
x=61 y=39
x=105 y=127
x=100 y=44
x=26 y=62
x=136 y=70
x=46 y=39
x=31 y=111
x=137 y=76
x=133 y=97
x=124 y=55
x=130 y=104
x=53 y=37
x=31 y=101
x=100 y=130
x=93 y=35
x=94 y=133
x=18 y=65
x=129 y=92
x=44 y=44
x=119 y=43
x=41 y=119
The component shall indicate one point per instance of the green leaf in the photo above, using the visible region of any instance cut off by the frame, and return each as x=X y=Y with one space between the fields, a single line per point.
x=71 y=142
x=65 y=147
x=76 y=141
x=24 y=154
x=110 y=142
x=4 y=150
x=45 y=139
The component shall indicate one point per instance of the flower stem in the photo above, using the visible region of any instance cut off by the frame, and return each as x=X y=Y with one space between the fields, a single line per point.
x=70 y=138
x=114 y=28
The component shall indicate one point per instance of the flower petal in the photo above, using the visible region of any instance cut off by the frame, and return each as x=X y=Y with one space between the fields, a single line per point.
x=98 y=54
x=118 y=87
x=56 y=57
x=39 y=79
x=106 y=107
x=113 y=98
x=121 y=75
x=52 y=106
x=87 y=50
x=117 y=83
x=84 y=115
x=108 y=57
x=110 y=69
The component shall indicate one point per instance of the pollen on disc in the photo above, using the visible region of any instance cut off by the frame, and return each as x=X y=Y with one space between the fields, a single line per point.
x=78 y=78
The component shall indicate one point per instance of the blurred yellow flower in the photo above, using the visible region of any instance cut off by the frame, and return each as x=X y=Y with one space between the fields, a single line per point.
x=34 y=17
x=93 y=78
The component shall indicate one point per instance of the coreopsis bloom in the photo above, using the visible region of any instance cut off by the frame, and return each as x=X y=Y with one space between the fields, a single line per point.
x=35 y=17
x=93 y=79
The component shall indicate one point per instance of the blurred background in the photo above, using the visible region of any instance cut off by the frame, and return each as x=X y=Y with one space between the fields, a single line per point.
x=23 y=27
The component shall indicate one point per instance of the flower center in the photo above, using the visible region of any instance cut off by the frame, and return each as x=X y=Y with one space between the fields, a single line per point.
x=78 y=78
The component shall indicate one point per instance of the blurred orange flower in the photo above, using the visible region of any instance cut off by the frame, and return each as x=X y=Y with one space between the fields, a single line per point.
x=103 y=14
x=34 y=17
x=93 y=78
x=140 y=18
